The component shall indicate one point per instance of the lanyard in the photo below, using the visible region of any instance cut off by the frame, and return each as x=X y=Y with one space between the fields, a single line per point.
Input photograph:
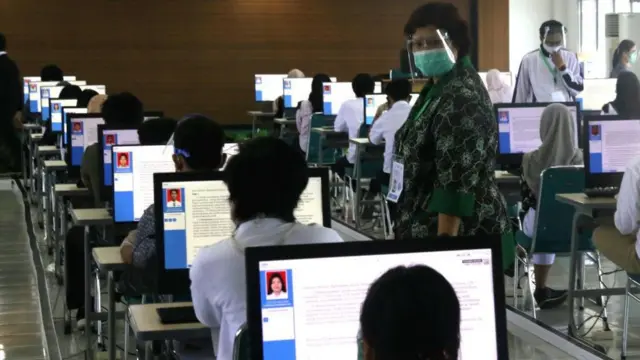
x=551 y=69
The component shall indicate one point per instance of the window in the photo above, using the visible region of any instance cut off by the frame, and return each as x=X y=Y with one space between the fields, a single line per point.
x=588 y=32
x=622 y=6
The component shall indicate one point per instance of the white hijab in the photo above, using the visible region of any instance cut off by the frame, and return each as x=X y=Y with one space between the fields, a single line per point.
x=499 y=91
x=559 y=148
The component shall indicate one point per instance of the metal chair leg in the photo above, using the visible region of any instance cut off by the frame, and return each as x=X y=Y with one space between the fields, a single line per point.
x=125 y=348
x=625 y=319
x=603 y=299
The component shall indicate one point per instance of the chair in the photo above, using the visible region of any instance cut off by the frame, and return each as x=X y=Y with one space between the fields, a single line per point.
x=553 y=223
x=241 y=344
x=371 y=162
x=332 y=142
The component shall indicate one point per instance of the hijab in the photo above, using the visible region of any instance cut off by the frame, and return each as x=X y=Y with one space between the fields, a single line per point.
x=95 y=104
x=559 y=148
x=499 y=91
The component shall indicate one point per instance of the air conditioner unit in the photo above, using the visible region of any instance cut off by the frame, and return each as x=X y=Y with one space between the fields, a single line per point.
x=619 y=27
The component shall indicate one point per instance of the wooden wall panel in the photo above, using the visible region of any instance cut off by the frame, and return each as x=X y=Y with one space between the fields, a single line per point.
x=493 y=34
x=200 y=55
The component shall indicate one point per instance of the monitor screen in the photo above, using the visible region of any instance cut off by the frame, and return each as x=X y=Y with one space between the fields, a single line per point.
x=35 y=94
x=29 y=79
x=612 y=145
x=65 y=118
x=268 y=86
x=197 y=214
x=519 y=127
x=57 y=107
x=596 y=93
x=84 y=132
x=316 y=313
x=110 y=138
x=373 y=102
x=296 y=90
x=133 y=178
x=336 y=93
x=48 y=93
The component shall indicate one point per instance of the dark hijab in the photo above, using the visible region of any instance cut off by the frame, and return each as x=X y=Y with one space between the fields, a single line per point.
x=315 y=97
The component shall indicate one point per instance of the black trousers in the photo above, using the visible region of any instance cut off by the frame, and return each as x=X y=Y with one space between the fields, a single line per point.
x=341 y=165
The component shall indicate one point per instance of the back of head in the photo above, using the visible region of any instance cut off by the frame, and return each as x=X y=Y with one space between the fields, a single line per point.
x=70 y=92
x=86 y=96
x=398 y=90
x=63 y=83
x=411 y=313
x=627 y=101
x=295 y=73
x=51 y=73
x=95 y=104
x=362 y=85
x=315 y=97
x=198 y=141
x=156 y=131
x=265 y=179
x=3 y=42
x=123 y=108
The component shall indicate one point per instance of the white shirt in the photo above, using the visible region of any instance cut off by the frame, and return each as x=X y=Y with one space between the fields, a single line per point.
x=176 y=203
x=303 y=123
x=628 y=203
x=384 y=129
x=350 y=118
x=218 y=280
x=283 y=295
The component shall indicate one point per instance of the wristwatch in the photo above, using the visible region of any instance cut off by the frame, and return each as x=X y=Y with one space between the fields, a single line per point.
x=562 y=68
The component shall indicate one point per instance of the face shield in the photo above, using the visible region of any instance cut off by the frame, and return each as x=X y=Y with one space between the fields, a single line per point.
x=431 y=52
x=554 y=38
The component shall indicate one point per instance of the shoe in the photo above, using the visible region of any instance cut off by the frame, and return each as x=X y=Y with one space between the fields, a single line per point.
x=548 y=298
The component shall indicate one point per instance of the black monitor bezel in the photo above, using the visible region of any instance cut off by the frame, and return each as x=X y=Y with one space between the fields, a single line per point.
x=74 y=170
x=254 y=255
x=515 y=160
x=603 y=179
x=106 y=192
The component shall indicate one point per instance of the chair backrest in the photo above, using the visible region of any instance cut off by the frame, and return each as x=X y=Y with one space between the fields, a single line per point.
x=241 y=344
x=554 y=220
x=328 y=155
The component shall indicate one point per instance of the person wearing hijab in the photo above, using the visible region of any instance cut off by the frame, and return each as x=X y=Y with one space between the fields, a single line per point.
x=308 y=107
x=499 y=91
x=95 y=104
x=627 y=101
x=278 y=104
x=559 y=148
x=625 y=55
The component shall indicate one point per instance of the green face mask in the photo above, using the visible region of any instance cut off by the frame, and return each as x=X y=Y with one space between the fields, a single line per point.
x=433 y=62
x=633 y=57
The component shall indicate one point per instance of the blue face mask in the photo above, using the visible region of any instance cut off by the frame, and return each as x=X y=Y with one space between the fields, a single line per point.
x=433 y=62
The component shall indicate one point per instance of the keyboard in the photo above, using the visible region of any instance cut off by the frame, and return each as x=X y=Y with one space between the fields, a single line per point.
x=177 y=315
x=606 y=191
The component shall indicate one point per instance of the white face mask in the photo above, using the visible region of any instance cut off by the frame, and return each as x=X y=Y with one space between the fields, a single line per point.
x=551 y=49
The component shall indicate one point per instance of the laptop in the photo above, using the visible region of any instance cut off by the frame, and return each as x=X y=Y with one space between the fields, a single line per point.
x=186 y=201
x=296 y=90
x=57 y=106
x=519 y=130
x=268 y=86
x=132 y=173
x=373 y=101
x=612 y=144
x=334 y=94
x=83 y=132
x=109 y=136
x=310 y=321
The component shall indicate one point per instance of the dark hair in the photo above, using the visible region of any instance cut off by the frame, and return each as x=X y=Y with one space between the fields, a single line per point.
x=442 y=16
x=51 y=73
x=266 y=178
x=411 y=313
x=70 y=92
x=123 y=108
x=624 y=47
x=551 y=24
x=627 y=101
x=85 y=97
x=276 y=276
x=156 y=131
x=363 y=84
x=123 y=155
x=399 y=89
x=202 y=140
x=173 y=191
x=3 y=42
x=315 y=97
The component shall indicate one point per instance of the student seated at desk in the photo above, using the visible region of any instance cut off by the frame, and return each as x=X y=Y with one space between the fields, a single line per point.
x=350 y=118
x=278 y=103
x=85 y=97
x=619 y=240
x=557 y=131
x=118 y=109
x=51 y=72
x=308 y=108
x=627 y=101
x=95 y=104
x=263 y=218
x=68 y=92
x=403 y=318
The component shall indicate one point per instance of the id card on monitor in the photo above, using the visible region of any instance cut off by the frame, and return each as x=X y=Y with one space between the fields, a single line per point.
x=133 y=169
x=111 y=138
x=84 y=132
x=56 y=113
x=65 y=119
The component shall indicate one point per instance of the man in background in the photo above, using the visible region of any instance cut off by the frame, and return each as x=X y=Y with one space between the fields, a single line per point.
x=11 y=97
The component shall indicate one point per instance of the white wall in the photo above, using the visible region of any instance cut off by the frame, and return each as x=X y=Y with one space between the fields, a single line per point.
x=525 y=18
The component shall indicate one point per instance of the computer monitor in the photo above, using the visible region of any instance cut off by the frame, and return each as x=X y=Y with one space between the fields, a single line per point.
x=84 y=132
x=596 y=93
x=268 y=86
x=373 y=101
x=334 y=94
x=296 y=90
x=326 y=285
x=610 y=145
x=133 y=178
x=57 y=107
x=48 y=93
x=108 y=137
x=186 y=201
x=519 y=129
x=35 y=95
x=504 y=76
x=29 y=79
x=66 y=112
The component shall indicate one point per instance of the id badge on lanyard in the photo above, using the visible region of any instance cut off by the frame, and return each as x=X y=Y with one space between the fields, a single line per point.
x=396 y=181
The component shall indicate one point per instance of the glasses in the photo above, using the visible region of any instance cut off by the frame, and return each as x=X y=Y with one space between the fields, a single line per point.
x=437 y=41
